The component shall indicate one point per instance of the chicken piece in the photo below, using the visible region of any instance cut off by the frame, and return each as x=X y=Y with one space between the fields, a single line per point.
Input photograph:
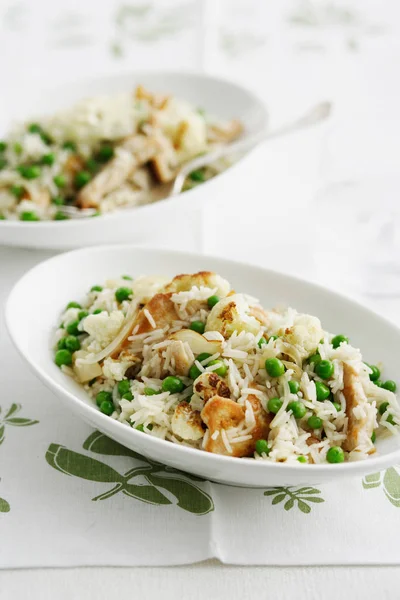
x=165 y=164
x=131 y=154
x=184 y=283
x=359 y=430
x=73 y=165
x=223 y=133
x=163 y=312
x=232 y=314
x=208 y=385
x=38 y=195
x=186 y=423
x=222 y=413
x=182 y=357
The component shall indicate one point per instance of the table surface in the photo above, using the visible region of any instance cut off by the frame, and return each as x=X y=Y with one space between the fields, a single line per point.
x=292 y=53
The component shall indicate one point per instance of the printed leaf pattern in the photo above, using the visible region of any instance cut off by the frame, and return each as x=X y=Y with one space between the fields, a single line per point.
x=158 y=478
x=4 y=506
x=292 y=497
x=389 y=480
x=9 y=419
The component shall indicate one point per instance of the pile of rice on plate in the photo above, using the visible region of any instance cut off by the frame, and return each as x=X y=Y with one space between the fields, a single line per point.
x=105 y=153
x=191 y=361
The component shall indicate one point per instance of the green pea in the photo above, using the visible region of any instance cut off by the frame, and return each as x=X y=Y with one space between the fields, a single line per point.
x=373 y=437
x=262 y=447
x=48 y=159
x=383 y=408
x=82 y=314
x=323 y=392
x=150 y=392
x=198 y=326
x=222 y=369
x=34 y=128
x=105 y=153
x=123 y=293
x=314 y=422
x=335 y=455
x=194 y=372
x=197 y=175
x=390 y=385
x=128 y=396
x=72 y=343
x=28 y=216
x=18 y=149
x=379 y=383
x=261 y=342
x=72 y=328
x=73 y=305
x=17 y=191
x=60 y=216
x=294 y=387
x=92 y=165
x=314 y=358
x=97 y=311
x=127 y=277
x=274 y=367
x=96 y=288
x=324 y=369
x=124 y=386
x=212 y=301
x=173 y=385
x=69 y=146
x=82 y=178
x=58 y=201
x=3 y=146
x=103 y=397
x=376 y=373
x=63 y=357
x=61 y=344
x=337 y=406
x=2 y=217
x=339 y=339
x=60 y=181
x=274 y=405
x=107 y=407
x=140 y=428
x=302 y=459
x=29 y=172
x=298 y=409
x=390 y=419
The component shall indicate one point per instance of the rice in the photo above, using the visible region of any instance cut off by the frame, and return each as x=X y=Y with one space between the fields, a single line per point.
x=213 y=391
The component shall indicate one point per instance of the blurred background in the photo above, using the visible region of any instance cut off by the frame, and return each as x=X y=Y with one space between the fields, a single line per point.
x=330 y=194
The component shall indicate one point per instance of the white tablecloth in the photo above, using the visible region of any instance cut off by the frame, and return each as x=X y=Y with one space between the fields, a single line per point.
x=293 y=53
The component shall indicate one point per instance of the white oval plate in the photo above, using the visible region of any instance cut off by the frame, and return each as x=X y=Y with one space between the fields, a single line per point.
x=146 y=223
x=36 y=301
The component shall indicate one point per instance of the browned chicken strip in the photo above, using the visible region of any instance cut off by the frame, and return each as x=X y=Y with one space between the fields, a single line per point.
x=129 y=156
x=222 y=413
x=358 y=430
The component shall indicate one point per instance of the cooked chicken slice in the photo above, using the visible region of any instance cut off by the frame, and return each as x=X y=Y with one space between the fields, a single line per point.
x=208 y=385
x=40 y=196
x=184 y=283
x=131 y=154
x=222 y=414
x=224 y=132
x=165 y=164
x=186 y=422
x=182 y=357
x=360 y=425
x=161 y=308
x=141 y=178
x=73 y=165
